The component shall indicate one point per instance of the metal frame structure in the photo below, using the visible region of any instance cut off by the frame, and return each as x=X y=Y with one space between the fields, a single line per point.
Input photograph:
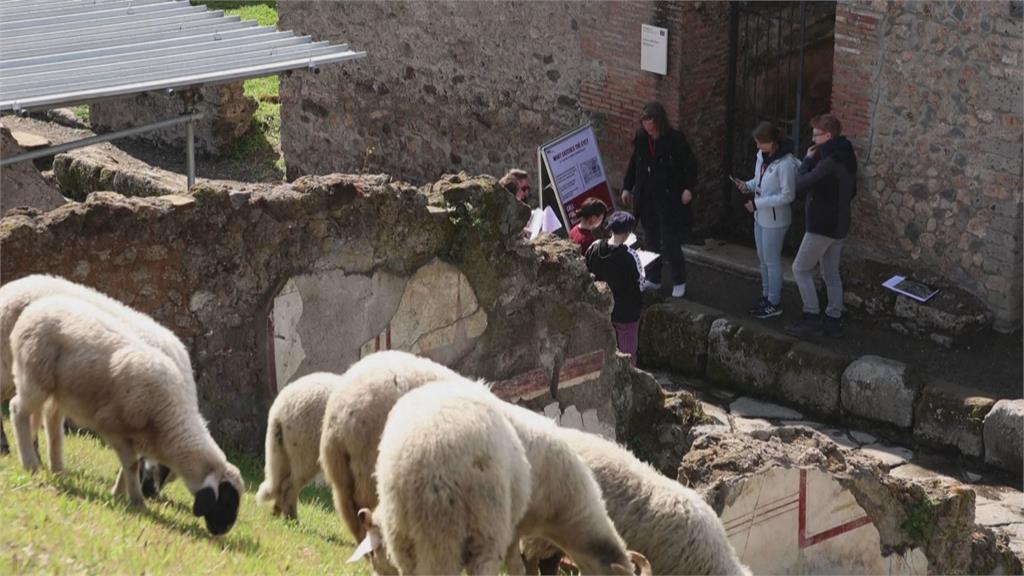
x=69 y=52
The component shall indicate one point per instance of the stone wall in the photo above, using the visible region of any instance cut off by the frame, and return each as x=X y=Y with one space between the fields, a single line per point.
x=930 y=94
x=21 y=184
x=251 y=278
x=478 y=86
x=228 y=115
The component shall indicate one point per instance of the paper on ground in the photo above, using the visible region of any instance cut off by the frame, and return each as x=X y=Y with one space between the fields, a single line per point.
x=910 y=289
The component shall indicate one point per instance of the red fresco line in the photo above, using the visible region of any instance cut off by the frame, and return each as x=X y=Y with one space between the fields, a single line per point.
x=761 y=513
x=794 y=495
x=760 y=520
x=806 y=541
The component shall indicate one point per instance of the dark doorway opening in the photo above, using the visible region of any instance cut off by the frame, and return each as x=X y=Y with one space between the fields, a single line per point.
x=780 y=55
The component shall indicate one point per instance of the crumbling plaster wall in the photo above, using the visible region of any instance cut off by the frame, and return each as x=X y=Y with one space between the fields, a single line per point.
x=211 y=265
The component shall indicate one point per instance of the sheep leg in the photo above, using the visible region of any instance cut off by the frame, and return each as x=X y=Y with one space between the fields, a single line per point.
x=128 y=476
x=5 y=448
x=53 y=420
x=514 y=560
x=22 y=408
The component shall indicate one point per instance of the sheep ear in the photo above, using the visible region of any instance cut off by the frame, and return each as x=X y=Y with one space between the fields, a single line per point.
x=641 y=565
x=205 y=501
x=365 y=518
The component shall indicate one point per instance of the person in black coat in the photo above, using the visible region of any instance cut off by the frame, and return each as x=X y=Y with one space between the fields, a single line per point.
x=658 y=184
x=827 y=179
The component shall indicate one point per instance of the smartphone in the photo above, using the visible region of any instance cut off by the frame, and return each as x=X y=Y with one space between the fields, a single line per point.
x=736 y=180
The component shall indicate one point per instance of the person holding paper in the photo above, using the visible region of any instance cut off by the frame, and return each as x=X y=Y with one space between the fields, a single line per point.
x=591 y=215
x=769 y=194
x=828 y=178
x=661 y=174
x=614 y=262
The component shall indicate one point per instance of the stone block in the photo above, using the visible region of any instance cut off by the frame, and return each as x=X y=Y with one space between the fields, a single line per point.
x=952 y=416
x=878 y=389
x=674 y=336
x=746 y=357
x=1003 y=427
x=810 y=376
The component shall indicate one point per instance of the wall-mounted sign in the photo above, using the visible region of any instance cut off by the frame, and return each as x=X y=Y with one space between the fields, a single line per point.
x=654 y=49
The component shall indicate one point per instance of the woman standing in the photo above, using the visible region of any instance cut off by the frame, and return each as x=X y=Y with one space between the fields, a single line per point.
x=661 y=173
x=771 y=190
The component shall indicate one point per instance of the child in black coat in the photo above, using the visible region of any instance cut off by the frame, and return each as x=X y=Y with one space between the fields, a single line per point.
x=615 y=263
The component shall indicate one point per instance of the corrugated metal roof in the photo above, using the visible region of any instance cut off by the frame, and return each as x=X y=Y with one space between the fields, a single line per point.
x=63 y=52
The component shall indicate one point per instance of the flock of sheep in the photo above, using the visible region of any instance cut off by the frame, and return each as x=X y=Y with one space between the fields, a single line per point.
x=430 y=470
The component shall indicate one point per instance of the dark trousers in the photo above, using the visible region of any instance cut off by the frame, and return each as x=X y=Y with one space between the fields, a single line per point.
x=664 y=236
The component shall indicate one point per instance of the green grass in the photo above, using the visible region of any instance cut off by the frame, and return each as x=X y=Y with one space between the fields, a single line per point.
x=82 y=112
x=261 y=145
x=71 y=524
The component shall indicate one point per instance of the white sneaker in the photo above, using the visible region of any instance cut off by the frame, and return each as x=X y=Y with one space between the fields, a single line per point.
x=651 y=286
x=679 y=290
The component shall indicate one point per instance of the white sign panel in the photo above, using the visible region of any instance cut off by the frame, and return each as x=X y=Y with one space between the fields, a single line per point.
x=654 y=49
x=575 y=164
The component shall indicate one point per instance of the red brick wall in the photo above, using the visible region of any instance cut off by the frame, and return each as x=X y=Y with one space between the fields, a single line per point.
x=694 y=91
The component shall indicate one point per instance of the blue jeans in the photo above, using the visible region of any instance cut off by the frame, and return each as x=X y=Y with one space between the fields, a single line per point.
x=769 y=252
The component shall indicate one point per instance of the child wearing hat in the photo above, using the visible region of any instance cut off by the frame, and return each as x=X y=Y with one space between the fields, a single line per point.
x=613 y=262
x=591 y=215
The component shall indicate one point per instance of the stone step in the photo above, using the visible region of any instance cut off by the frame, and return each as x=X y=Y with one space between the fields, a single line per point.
x=890 y=396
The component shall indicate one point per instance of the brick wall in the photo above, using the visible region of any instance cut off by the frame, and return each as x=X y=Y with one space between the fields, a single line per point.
x=476 y=86
x=930 y=94
x=694 y=91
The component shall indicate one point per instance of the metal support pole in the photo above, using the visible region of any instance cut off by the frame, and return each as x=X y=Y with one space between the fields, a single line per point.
x=99 y=139
x=190 y=152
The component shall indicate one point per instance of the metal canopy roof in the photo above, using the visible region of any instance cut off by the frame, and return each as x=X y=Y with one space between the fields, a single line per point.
x=63 y=52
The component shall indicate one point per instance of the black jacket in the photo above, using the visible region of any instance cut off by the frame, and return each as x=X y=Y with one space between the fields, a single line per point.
x=620 y=267
x=829 y=181
x=657 y=182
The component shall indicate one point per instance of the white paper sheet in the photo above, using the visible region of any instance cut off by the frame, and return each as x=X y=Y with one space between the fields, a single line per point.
x=551 y=223
x=647 y=257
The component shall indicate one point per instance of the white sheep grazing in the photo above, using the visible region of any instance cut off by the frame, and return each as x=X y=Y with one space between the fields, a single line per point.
x=453 y=482
x=17 y=294
x=293 y=440
x=98 y=371
x=565 y=504
x=667 y=522
x=354 y=420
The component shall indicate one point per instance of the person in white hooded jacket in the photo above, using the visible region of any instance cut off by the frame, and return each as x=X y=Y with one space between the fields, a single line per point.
x=770 y=193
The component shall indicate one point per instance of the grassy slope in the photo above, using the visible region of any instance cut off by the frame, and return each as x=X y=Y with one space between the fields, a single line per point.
x=72 y=524
x=266 y=127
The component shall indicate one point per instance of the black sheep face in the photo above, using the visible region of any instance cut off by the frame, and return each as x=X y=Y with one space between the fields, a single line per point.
x=218 y=507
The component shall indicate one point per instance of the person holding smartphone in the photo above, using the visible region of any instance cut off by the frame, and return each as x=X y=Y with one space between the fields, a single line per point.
x=770 y=193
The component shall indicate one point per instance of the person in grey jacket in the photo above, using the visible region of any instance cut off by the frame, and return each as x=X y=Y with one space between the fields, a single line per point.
x=828 y=178
x=771 y=190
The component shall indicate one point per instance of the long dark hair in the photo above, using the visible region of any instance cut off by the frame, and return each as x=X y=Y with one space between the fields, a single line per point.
x=655 y=111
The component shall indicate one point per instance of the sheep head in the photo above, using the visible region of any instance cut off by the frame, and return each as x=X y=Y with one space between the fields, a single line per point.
x=376 y=552
x=218 y=499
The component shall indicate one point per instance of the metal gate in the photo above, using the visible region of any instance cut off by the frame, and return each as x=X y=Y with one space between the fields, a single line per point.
x=780 y=56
